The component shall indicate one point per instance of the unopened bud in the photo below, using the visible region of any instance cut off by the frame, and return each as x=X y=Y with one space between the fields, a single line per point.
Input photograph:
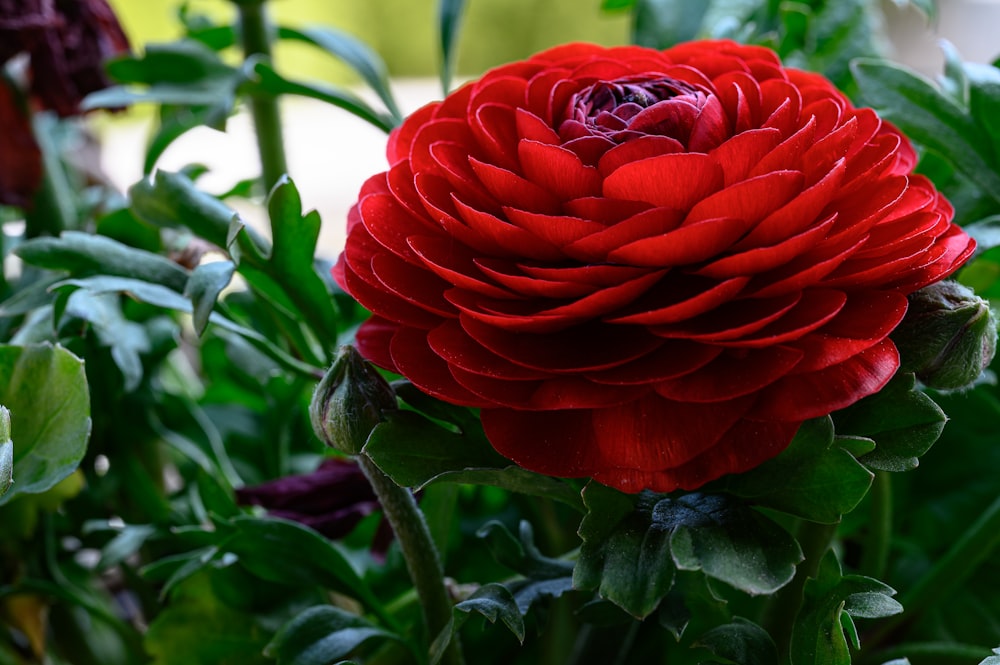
x=948 y=336
x=349 y=401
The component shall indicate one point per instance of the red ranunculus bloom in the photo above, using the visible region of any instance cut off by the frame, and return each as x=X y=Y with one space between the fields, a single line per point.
x=645 y=267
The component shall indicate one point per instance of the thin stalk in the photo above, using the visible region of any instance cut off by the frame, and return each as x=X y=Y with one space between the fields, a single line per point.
x=975 y=546
x=255 y=38
x=422 y=561
x=875 y=558
x=781 y=611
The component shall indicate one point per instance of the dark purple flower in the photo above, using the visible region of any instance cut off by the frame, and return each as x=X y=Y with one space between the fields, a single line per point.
x=332 y=499
x=20 y=159
x=67 y=42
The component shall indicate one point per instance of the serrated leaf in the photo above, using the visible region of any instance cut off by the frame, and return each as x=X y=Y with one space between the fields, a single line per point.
x=494 y=602
x=412 y=449
x=623 y=556
x=322 y=635
x=729 y=542
x=903 y=421
x=929 y=117
x=632 y=546
x=171 y=200
x=203 y=288
x=741 y=641
x=354 y=53
x=814 y=478
x=818 y=637
x=520 y=554
x=85 y=254
x=294 y=238
x=45 y=389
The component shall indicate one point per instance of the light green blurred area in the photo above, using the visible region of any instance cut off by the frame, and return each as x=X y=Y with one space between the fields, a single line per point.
x=403 y=32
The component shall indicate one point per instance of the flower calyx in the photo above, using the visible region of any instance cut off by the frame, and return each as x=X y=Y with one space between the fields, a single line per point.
x=349 y=401
x=948 y=336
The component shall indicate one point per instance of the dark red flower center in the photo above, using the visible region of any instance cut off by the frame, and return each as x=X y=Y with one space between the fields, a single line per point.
x=628 y=108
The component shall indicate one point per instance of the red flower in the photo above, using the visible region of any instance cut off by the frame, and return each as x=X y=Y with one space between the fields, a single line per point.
x=20 y=159
x=646 y=267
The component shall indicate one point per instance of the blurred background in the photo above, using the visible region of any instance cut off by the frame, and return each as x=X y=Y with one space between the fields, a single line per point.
x=331 y=152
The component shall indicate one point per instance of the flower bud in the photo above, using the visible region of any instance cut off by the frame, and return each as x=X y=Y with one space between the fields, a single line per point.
x=349 y=402
x=948 y=336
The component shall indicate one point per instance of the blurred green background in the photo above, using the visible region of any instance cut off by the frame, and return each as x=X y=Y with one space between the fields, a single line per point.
x=403 y=31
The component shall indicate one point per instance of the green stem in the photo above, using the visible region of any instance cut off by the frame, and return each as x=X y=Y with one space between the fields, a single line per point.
x=975 y=546
x=875 y=558
x=781 y=611
x=255 y=36
x=422 y=561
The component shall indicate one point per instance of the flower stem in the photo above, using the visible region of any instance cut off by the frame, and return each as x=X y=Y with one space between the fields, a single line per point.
x=418 y=549
x=255 y=35
x=876 y=553
x=781 y=611
x=975 y=546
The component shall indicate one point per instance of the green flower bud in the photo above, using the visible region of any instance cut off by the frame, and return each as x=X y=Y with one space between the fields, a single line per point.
x=948 y=336
x=349 y=401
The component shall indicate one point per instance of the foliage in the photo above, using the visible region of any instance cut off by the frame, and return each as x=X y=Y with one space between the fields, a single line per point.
x=161 y=354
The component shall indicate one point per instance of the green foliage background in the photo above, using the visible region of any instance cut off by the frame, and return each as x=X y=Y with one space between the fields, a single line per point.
x=403 y=32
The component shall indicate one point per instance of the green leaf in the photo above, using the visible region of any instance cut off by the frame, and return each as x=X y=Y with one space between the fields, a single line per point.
x=161 y=296
x=287 y=552
x=6 y=452
x=903 y=422
x=126 y=543
x=930 y=117
x=294 y=236
x=623 y=556
x=171 y=200
x=632 y=546
x=126 y=339
x=355 y=54
x=203 y=288
x=814 y=478
x=729 y=542
x=520 y=554
x=271 y=82
x=449 y=14
x=412 y=450
x=84 y=254
x=830 y=601
x=198 y=628
x=742 y=642
x=663 y=23
x=494 y=602
x=184 y=73
x=992 y=660
x=513 y=479
x=322 y=635
x=45 y=389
